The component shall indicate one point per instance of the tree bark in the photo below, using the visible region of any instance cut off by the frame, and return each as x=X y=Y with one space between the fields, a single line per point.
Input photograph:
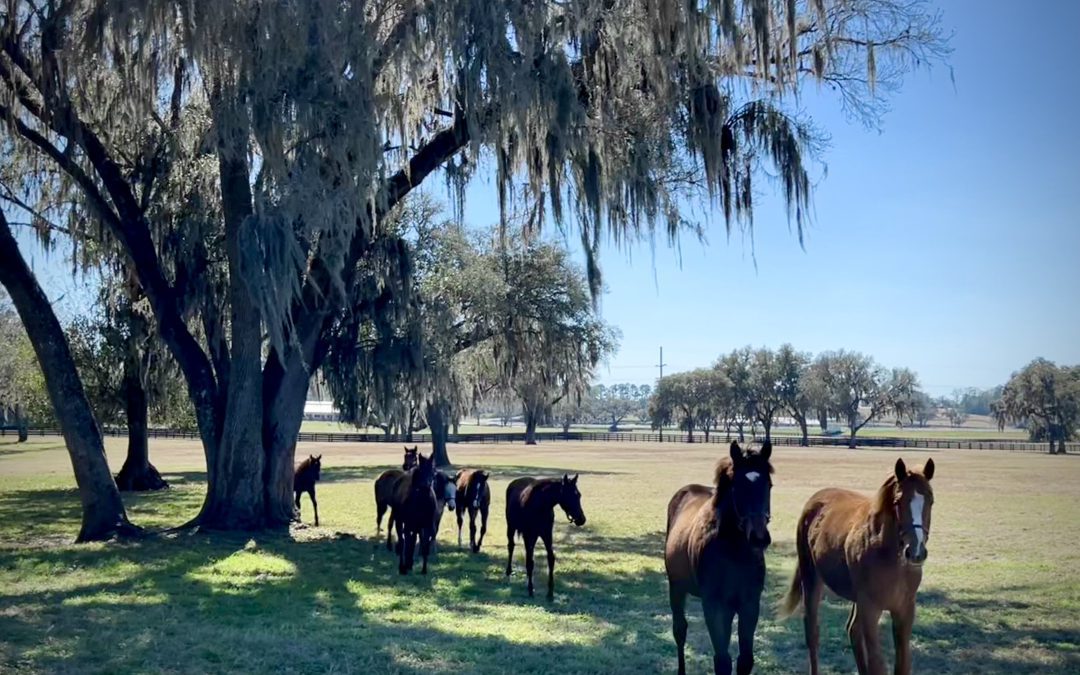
x=805 y=432
x=767 y=423
x=103 y=514
x=236 y=498
x=531 y=415
x=137 y=474
x=436 y=419
x=823 y=420
x=22 y=424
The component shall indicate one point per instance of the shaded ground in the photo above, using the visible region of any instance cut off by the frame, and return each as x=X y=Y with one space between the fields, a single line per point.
x=1001 y=591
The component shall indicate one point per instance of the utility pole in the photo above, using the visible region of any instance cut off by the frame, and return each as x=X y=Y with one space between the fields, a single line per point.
x=661 y=365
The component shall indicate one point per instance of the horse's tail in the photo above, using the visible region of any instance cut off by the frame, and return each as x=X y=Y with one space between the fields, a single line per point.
x=793 y=599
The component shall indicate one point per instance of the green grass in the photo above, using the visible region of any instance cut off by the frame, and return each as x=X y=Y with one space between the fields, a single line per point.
x=1001 y=592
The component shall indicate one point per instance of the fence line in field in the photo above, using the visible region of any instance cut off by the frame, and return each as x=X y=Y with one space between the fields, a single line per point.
x=621 y=437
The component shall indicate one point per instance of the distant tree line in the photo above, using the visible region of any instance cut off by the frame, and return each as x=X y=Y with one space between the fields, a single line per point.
x=748 y=388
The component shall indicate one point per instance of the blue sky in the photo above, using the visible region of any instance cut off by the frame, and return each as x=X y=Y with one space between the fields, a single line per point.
x=946 y=243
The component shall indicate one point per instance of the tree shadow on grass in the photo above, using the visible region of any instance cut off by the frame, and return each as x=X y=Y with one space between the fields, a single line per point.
x=314 y=601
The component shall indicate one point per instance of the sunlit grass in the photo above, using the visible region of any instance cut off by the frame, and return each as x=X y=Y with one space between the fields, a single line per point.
x=1001 y=592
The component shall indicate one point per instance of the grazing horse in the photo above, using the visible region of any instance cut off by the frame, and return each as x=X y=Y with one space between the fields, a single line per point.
x=530 y=510
x=307 y=473
x=413 y=513
x=715 y=549
x=869 y=552
x=475 y=495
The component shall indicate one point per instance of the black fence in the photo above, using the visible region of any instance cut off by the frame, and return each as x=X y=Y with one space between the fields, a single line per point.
x=626 y=437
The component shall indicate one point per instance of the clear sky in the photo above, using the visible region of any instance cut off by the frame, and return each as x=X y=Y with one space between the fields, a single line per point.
x=947 y=243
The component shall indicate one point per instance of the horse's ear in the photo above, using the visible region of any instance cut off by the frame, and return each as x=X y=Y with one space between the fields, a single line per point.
x=566 y=478
x=318 y=458
x=485 y=474
x=901 y=469
x=736 y=452
x=928 y=469
x=574 y=479
x=766 y=450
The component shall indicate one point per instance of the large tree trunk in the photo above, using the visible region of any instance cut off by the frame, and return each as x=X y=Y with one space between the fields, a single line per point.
x=436 y=419
x=767 y=423
x=22 y=424
x=823 y=420
x=852 y=425
x=805 y=432
x=137 y=474
x=236 y=498
x=531 y=415
x=689 y=432
x=102 y=509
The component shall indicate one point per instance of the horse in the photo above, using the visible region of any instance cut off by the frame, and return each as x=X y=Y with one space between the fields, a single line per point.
x=413 y=513
x=530 y=510
x=869 y=551
x=446 y=493
x=410 y=458
x=304 y=479
x=475 y=493
x=384 y=487
x=714 y=549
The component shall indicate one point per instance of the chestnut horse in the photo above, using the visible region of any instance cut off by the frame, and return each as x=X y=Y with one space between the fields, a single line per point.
x=869 y=552
x=715 y=549
x=530 y=510
x=304 y=479
x=474 y=494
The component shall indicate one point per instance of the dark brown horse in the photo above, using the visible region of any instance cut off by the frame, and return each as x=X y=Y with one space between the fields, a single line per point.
x=869 y=552
x=715 y=549
x=413 y=513
x=304 y=479
x=384 y=488
x=474 y=494
x=446 y=495
x=530 y=510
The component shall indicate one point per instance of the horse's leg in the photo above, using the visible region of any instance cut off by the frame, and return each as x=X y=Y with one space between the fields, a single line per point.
x=811 y=592
x=854 y=631
x=551 y=564
x=748 y=618
x=718 y=618
x=402 y=552
x=472 y=529
x=298 y=505
x=314 y=504
x=902 y=622
x=425 y=548
x=483 y=526
x=869 y=616
x=460 y=512
x=530 y=549
x=677 y=596
x=509 y=549
x=390 y=531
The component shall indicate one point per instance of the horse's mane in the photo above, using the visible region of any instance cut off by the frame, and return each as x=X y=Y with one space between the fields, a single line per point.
x=887 y=494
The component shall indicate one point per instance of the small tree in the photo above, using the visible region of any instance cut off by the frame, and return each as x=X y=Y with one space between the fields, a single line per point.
x=766 y=387
x=1046 y=397
x=23 y=397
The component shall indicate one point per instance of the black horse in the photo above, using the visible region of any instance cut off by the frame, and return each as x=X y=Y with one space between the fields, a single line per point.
x=530 y=510
x=414 y=510
x=304 y=479
x=715 y=549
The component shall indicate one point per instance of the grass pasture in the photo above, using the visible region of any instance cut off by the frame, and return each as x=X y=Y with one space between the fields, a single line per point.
x=1001 y=590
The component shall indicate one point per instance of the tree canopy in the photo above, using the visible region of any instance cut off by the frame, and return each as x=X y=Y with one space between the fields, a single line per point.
x=241 y=159
x=1046 y=398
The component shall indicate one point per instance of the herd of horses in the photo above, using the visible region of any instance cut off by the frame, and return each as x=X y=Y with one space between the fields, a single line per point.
x=866 y=550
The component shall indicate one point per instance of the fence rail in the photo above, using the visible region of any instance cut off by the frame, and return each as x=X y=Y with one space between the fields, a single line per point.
x=622 y=437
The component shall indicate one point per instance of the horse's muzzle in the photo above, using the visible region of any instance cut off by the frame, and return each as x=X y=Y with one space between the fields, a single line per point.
x=913 y=556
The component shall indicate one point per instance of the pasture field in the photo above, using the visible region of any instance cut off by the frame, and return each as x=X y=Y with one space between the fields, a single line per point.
x=1001 y=589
